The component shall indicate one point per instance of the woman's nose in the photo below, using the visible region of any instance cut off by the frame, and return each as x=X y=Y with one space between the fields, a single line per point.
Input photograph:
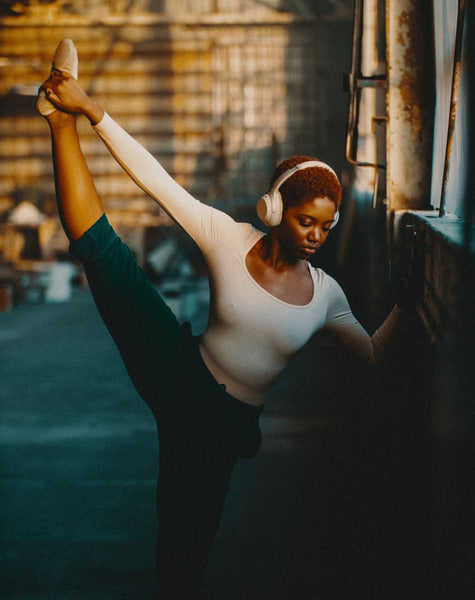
x=314 y=235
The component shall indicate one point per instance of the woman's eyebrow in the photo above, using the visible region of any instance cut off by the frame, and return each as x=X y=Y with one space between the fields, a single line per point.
x=314 y=219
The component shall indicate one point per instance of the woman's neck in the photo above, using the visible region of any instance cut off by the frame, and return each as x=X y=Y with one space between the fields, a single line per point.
x=272 y=253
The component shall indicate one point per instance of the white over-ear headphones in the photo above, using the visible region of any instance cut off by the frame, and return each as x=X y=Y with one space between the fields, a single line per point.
x=270 y=207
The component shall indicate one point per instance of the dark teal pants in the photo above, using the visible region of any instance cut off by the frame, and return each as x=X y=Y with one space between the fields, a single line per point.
x=202 y=429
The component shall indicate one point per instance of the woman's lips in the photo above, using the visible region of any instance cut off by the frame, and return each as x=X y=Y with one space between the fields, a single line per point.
x=309 y=250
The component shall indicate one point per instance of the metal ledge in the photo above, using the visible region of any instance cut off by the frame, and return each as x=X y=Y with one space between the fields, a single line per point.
x=450 y=229
x=448 y=274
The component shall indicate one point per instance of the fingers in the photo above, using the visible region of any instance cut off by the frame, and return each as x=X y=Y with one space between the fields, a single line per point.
x=56 y=78
x=64 y=92
x=48 y=83
x=54 y=86
x=52 y=97
x=55 y=74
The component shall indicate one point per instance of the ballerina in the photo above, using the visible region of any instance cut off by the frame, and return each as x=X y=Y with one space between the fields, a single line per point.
x=207 y=392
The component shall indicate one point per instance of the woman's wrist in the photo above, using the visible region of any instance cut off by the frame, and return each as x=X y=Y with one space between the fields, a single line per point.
x=93 y=111
x=405 y=308
x=407 y=300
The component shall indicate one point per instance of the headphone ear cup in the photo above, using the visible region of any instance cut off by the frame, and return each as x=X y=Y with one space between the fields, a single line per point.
x=335 y=219
x=264 y=209
x=276 y=216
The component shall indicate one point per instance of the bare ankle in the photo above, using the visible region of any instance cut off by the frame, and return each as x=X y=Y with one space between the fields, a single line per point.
x=59 y=118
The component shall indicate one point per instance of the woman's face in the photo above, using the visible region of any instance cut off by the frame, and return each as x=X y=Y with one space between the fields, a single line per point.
x=304 y=227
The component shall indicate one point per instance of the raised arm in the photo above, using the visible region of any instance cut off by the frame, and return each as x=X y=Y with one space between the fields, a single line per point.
x=206 y=225
x=149 y=174
x=344 y=326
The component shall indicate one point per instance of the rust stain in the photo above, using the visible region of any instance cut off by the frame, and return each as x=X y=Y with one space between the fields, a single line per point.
x=450 y=135
x=398 y=199
x=452 y=115
x=415 y=85
x=417 y=200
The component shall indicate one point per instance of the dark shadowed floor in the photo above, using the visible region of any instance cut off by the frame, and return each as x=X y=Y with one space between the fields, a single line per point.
x=314 y=515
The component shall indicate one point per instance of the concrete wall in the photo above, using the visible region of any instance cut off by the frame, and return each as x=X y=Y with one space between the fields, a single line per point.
x=423 y=406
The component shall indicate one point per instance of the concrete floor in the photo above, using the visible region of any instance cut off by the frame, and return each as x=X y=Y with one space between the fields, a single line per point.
x=304 y=519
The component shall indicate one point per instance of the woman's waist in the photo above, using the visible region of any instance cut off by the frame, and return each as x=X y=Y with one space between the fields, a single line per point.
x=244 y=377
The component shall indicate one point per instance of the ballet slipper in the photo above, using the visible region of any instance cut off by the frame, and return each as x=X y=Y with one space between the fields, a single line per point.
x=65 y=60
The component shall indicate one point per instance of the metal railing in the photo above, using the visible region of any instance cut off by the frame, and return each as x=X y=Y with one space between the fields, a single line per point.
x=353 y=83
x=453 y=104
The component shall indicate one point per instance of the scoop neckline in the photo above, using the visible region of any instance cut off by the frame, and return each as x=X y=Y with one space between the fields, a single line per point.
x=259 y=286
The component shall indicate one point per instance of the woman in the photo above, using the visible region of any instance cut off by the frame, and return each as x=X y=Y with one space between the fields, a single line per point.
x=206 y=393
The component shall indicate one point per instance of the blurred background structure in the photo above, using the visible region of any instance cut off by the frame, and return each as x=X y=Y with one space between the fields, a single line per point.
x=220 y=91
x=364 y=484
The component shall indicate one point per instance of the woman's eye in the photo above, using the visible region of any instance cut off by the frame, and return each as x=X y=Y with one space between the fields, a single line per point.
x=305 y=223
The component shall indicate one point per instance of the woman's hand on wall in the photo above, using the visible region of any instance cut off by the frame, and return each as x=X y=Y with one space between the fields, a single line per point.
x=411 y=287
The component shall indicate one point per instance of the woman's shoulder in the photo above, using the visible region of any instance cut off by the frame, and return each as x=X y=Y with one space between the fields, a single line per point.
x=223 y=230
x=324 y=276
x=321 y=276
x=326 y=284
x=245 y=233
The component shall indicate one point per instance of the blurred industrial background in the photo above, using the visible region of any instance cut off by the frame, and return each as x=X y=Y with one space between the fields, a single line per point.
x=220 y=91
x=363 y=486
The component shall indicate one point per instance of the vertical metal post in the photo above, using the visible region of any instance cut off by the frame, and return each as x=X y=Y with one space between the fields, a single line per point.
x=410 y=103
x=453 y=103
x=466 y=314
x=363 y=59
x=460 y=543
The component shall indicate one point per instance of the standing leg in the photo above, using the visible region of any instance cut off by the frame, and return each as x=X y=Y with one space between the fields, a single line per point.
x=201 y=435
x=196 y=462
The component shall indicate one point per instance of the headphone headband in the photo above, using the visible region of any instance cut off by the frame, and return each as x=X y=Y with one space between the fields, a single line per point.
x=270 y=206
x=287 y=174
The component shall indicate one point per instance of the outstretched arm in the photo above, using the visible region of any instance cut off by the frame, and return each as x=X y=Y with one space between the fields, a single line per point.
x=344 y=326
x=206 y=225
x=149 y=175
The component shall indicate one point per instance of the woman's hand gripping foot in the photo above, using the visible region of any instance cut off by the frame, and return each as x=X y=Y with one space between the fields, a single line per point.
x=61 y=91
x=65 y=94
x=65 y=60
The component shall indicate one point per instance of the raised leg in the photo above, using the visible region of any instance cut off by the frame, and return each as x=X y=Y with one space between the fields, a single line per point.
x=78 y=202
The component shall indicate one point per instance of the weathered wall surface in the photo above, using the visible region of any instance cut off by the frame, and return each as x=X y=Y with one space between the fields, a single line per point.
x=218 y=91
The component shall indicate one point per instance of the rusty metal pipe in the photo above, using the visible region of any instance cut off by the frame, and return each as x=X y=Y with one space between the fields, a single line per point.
x=353 y=83
x=469 y=196
x=453 y=103
x=410 y=103
x=349 y=82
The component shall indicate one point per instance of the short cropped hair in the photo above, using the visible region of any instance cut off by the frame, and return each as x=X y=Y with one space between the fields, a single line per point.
x=307 y=184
